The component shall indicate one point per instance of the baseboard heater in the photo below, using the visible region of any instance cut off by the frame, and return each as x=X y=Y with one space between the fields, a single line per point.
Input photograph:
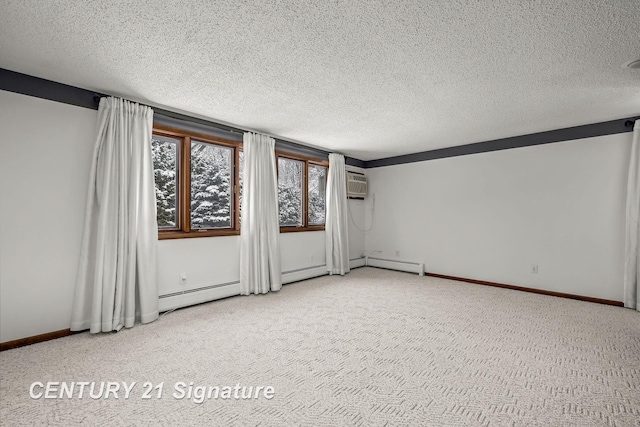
x=198 y=295
x=303 y=273
x=223 y=290
x=357 y=262
x=392 y=264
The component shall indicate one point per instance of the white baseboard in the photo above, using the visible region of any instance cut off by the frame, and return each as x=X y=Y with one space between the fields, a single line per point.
x=357 y=262
x=303 y=274
x=411 y=267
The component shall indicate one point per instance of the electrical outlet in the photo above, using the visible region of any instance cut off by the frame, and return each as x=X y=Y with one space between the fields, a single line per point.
x=183 y=279
x=534 y=269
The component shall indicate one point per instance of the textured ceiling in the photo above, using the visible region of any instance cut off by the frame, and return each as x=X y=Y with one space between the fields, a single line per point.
x=369 y=79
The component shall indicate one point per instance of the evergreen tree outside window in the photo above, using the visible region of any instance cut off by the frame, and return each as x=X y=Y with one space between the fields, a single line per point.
x=165 y=153
x=317 y=194
x=240 y=186
x=211 y=184
x=290 y=191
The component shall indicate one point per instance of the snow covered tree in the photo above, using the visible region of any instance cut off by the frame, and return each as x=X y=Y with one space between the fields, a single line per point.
x=290 y=191
x=165 y=156
x=317 y=196
x=240 y=183
x=210 y=186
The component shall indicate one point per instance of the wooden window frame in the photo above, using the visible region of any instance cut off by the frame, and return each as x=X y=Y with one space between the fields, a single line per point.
x=305 y=191
x=183 y=228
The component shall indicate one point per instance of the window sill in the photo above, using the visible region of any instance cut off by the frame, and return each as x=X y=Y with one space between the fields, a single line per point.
x=175 y=234
x=293 y=229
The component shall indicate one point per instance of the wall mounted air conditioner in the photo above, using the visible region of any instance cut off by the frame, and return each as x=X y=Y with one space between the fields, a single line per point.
x=356 y=185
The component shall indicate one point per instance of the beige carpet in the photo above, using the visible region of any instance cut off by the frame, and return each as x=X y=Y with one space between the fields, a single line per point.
x=372 y=348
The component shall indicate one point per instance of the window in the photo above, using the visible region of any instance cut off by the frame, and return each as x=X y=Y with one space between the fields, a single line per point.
x=240 y=186
x=301 y=193
x=196 y=181
x=199 y=186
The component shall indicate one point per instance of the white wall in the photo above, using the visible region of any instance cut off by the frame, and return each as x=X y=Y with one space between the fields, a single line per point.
x=45 y=152
x=206 y=261
x=45 y=149
x=491 y=216
x=215 y=260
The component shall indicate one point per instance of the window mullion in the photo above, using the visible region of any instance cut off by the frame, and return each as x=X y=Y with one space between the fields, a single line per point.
x=236 y=188
x=186 y=185
x=305 y=195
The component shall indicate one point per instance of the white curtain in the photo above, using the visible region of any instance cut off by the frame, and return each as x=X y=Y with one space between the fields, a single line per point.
x=117 y=274
x=260 y=224
x=631 y=253
x=336 y=235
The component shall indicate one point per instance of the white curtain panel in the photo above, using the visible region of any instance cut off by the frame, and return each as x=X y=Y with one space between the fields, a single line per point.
x=631 y=253
x=336 y=235
x=260 y=269
x=117 y=274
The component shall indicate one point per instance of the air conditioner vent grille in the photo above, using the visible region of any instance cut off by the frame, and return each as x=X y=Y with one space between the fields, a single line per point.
x=356 y=185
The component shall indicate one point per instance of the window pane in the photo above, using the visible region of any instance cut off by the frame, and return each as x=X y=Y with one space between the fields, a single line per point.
x=290 y=191
x=317 y=195
x=240 y=178
x=211 y=172
x=165 y=172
